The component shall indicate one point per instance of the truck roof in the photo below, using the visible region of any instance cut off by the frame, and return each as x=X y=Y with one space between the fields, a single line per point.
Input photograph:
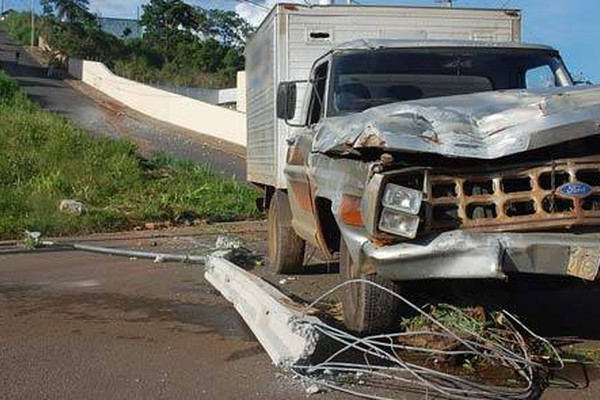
x=370 y=44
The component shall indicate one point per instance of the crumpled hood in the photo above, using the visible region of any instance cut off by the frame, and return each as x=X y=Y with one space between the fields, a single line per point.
x=484 y=125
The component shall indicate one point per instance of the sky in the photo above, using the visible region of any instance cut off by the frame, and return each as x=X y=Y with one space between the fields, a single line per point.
x=567 y=25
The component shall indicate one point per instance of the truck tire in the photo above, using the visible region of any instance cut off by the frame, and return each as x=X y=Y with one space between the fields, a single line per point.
x=367 y=309
x=286 y=248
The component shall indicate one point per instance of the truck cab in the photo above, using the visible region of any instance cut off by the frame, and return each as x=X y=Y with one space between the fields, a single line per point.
x=430 y=144
x=441 y=160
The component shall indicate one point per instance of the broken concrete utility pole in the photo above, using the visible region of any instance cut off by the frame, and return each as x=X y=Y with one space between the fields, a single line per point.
x=279 y=324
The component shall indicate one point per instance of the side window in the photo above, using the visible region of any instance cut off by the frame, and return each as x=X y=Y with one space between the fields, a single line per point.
x=540 y=78
x=317 y=97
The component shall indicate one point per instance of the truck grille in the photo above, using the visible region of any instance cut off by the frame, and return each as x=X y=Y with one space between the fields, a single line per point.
x=516 y=199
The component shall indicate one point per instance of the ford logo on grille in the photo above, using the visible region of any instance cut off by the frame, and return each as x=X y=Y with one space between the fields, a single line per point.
x=575 y=189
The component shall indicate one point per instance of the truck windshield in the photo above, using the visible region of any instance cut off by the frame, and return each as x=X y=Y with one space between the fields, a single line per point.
x=364 y=79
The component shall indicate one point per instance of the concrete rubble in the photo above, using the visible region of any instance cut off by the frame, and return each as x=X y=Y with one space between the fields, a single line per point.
x=281 y=326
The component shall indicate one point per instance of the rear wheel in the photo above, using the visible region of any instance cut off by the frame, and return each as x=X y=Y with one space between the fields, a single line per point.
x=367 y=309
x=286 y=248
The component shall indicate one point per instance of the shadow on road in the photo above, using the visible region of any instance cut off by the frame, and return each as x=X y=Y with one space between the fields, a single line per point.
x=20 y=70
x=550 y=306
x=320 y=269
x=35 y=83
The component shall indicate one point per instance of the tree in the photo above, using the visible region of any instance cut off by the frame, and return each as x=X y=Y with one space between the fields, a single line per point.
x=228 y=27
x=47 y=7
x=69 y=10
x=170 y=22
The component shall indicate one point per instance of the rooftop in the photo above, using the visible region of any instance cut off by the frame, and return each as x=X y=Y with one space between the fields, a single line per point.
x=371 y=44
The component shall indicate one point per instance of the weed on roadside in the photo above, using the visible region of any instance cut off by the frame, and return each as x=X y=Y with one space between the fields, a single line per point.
x=45 y=159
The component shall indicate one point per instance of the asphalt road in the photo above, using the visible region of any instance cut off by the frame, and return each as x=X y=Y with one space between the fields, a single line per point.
x=78 y=325
x=81 y=326
x=100 y=115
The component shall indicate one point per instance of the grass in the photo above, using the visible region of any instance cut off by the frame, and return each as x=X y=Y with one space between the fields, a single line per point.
x=18 y=26
x=45 y=159
x=582 y=354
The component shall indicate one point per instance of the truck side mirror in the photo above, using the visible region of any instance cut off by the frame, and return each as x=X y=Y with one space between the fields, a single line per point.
x=286 y=100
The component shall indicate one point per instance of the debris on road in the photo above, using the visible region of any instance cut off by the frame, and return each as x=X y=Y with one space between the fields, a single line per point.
x=31 y=240
x=313 y=389
x=286 y=331
x=132 y=254
x=235 y=251
x=449 y=352
x=71 y=207
x=227 y=243
x=444 y=351
x=287 y=280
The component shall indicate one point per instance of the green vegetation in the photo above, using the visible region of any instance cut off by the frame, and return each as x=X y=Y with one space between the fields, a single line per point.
x=18 y=25
x=182 y=45
x=582 y=354
x=46 y=159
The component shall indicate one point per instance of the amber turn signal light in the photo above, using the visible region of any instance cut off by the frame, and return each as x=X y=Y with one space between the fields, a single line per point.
x=350 y=211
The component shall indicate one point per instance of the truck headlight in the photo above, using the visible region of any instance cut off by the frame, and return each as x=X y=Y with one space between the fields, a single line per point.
x=401 y=198
x=401 y=207
x=399 y=223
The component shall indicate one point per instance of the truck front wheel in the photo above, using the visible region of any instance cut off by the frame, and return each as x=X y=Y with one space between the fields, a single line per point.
x=367 y=309
x=286 y=248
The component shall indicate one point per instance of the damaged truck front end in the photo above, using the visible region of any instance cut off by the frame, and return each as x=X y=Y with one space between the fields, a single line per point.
x=448 y=163
x=533 y=217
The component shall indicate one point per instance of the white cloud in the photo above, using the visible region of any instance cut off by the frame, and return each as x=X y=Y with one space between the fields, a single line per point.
x=253 y=13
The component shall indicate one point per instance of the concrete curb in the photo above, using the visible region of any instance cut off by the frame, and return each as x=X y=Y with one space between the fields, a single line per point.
x=273 y=317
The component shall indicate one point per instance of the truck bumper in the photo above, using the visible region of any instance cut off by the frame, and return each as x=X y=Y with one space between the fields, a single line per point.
x=462 y=255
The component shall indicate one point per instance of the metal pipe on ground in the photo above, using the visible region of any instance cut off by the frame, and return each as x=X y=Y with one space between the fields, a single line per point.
x=128 y=252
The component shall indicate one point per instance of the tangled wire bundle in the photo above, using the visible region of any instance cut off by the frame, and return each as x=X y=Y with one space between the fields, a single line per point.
x=444 y=352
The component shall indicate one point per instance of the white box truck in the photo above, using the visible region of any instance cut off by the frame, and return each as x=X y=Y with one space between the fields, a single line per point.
x=430 y=144
x=293 y=36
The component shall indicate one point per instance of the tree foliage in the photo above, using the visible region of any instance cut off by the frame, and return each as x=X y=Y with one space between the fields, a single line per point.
x=182 y=44
x=228 y=27
x=169 y=22
x=69 y=10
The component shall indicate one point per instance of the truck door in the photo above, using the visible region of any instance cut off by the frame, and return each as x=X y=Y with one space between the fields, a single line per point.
x=305 y=218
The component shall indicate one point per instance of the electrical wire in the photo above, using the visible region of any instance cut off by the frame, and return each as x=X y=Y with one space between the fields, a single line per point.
x=385 y=370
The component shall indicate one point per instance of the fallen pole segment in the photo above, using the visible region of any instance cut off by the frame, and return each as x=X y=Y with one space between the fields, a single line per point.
x=162 y=257
x=282 y=328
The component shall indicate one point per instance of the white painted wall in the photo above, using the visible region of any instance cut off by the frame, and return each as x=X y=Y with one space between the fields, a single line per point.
x=240 y=100
x=198 y=116
x=212 y=96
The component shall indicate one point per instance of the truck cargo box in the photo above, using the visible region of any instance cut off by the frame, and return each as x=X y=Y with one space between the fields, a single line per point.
x=293 y=36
